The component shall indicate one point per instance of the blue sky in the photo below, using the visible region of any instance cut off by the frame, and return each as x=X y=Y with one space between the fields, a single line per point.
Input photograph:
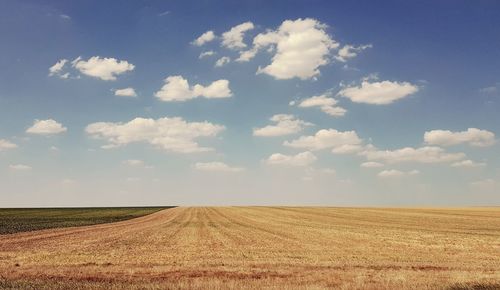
x=313 y=103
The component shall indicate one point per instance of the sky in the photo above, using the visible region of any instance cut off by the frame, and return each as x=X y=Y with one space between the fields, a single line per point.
x=327 y=103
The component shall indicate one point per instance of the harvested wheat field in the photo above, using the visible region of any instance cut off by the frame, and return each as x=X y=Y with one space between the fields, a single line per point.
x=255 y=247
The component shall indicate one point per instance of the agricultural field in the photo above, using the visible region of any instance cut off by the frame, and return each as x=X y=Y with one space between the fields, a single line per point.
x=256 y=247
x=22 y=220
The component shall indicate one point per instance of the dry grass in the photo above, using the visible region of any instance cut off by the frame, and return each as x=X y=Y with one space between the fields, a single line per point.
x=256 y=247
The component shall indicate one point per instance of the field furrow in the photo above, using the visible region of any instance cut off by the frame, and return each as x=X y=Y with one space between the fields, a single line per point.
x=255 y=247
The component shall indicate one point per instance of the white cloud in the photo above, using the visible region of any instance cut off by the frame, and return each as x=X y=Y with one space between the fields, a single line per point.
x=324 y=138
x=325 y=103
x=217 y=89
x=6 y=145
x=302 y=46
x=473 y=137
x=247 y=55
x=103 y=68
x=46 y=127
x=216 y=166
x=133 y=162
x=73 y=62
x=170 y=134
x=347 y=149
x=233 y=39
x=19 y=167
x=349 y=51
x=409 y=154
x=206 y=54
x=392 y=173
x=317 y=101
x=371 y=164
x=56 y=69
x=301 y=159
x=176 y=88
x=65 y=17
x=378 y=93
x=468 y=164
x=334 y=111
x=285 y=125
x=204 y=38
x=222 y=61
x=491 y=90
x=126 y=92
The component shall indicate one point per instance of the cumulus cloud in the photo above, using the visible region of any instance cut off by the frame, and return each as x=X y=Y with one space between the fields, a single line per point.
x=324 y=139
x=325 y=103
x=204 y=38
x=473 y=137
x=371 y=164
x=103 y=68
x=348 y=51
x=222 y=61
x=347 y=149
x=408 y=154
x=301 y=159
x=57 y=68
x=46 y=127
x=20 y=167
x=176 y=88
x=284 y=125
x=392 y=173
x=247 y=55
x=468 y=164
x=300 y=48
x=378 y=93
x=170 y=134
x=126 y=92
x=216 y=166
x=233 y=39
x=206 y=54
x=6 y=145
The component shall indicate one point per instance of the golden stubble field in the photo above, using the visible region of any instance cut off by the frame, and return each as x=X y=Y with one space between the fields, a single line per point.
x=256 y=247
